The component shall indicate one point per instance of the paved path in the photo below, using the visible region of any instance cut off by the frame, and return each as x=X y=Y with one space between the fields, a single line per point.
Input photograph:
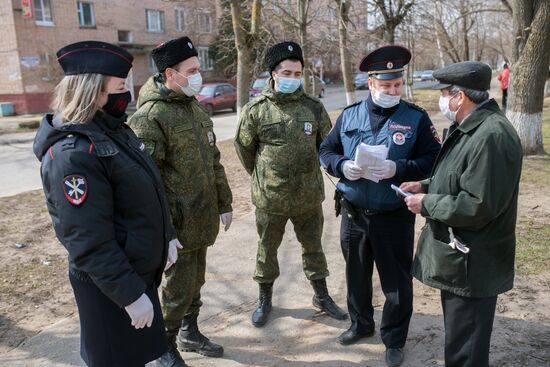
x=296 y=334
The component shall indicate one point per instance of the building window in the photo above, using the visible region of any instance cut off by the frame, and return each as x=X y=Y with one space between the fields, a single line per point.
x=205 y=23
x=204 y=58
x=155 y=20
x=86 y=14
x=124 y=36
x=180 y=19
x=43 y=12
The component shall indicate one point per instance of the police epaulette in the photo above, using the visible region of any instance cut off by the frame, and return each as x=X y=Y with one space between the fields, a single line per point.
x=351 y=105
x=416 y=107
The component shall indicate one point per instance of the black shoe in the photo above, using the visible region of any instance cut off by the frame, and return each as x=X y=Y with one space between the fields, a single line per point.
x=324 y=302
x=171 y=358
x=350 y=336
x=259 y=317
x=394 y=357
x=190 y=339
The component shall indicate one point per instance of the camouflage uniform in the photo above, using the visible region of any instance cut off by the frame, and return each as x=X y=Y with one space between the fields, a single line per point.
x=277 y=142
x=178 y=133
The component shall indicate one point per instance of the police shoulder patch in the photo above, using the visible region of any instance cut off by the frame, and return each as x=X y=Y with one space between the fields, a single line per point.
x=75 y=188
x=435 y=134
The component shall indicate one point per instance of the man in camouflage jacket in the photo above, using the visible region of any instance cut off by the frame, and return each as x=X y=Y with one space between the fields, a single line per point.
x=277 y=142
x=179 y=135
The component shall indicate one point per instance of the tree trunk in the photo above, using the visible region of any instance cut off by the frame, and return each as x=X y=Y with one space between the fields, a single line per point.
x=303 y=6
x=464 y=8
x=343 y=21
x=389 y=33
x=243 y=41
x=529 y=71
x=437 y=15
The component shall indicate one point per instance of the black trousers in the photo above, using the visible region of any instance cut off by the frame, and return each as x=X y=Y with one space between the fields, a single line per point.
x=468 y=327
x=387 y=240
x=504 y=98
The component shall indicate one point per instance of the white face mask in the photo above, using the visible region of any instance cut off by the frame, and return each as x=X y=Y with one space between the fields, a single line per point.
x=444 y=107
x=384 y=100
x=194 y=84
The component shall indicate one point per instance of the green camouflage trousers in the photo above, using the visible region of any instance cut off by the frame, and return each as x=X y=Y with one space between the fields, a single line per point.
x=181 y=295
x=308 y=228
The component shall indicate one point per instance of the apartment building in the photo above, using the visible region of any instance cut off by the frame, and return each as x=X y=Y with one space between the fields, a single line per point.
x=33 y=30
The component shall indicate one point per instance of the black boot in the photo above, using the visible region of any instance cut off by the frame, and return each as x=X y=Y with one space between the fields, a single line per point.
x=322 y=300
x=172 y=357
x=190 y=339
x=259 y=317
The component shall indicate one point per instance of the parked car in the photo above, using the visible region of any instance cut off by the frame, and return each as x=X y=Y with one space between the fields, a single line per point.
x=417 y=75
x=218 y=96
x=427 y=75
x=319 y=86
x=361 y=81
x=257 y=86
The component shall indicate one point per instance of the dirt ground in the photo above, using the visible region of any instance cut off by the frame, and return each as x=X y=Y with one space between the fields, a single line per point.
x=34 y=289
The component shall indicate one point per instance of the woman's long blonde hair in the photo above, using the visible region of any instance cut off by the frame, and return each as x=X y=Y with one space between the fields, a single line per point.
x=76 y=97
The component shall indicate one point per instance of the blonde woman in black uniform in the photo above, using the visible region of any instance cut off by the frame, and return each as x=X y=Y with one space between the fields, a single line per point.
x=107 y=204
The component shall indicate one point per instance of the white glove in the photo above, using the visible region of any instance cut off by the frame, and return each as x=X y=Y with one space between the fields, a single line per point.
x=173 y=247
x=226 y=219
x=352 y=171
x=385 y=170
x=141 y=312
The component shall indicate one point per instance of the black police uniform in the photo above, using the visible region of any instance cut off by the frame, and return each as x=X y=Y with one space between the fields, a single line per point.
x=383 y=229
x=107 y=204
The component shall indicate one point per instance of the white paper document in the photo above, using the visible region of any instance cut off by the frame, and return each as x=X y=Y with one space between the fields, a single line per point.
x=370 y=156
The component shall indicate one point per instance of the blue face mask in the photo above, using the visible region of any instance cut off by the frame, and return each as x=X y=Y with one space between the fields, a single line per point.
x=287 y=85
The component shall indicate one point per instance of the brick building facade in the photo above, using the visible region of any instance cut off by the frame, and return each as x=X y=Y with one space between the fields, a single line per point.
x=33 y=30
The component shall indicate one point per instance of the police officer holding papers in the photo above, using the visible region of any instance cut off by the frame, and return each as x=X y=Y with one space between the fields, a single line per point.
x=376 y=225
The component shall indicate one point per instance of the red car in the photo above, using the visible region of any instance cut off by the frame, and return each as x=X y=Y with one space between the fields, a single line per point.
x=218 y=96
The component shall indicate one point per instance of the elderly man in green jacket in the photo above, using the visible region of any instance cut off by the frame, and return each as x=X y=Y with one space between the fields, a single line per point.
x=468 y=244
x=178 y=133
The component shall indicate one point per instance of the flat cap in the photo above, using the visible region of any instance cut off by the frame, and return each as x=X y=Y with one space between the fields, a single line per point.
x=386 y=62
x=173 y=52
x=280 y=52
x=467 y=74
x=94 y=57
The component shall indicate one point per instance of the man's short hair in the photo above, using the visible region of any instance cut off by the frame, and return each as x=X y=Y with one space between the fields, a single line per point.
x=476 y=96
x=278 y=67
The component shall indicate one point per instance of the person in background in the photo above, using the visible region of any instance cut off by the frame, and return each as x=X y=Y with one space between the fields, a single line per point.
x=108 y=207
x=504 y=78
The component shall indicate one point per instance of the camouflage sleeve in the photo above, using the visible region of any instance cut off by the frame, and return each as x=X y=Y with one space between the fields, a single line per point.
x=246 y=140
x=148 y=130
x=325 y=125
x=225 y=197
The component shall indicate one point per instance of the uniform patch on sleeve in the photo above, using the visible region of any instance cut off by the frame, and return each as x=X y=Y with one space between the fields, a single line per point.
x=148 y=146
x=435 y=134
x=75 y=188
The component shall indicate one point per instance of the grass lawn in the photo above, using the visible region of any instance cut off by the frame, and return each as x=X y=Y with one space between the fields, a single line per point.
x=533 y=231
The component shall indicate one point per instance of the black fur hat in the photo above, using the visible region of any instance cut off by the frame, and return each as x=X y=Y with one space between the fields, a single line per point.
x=280 y=52
x=170 y=53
